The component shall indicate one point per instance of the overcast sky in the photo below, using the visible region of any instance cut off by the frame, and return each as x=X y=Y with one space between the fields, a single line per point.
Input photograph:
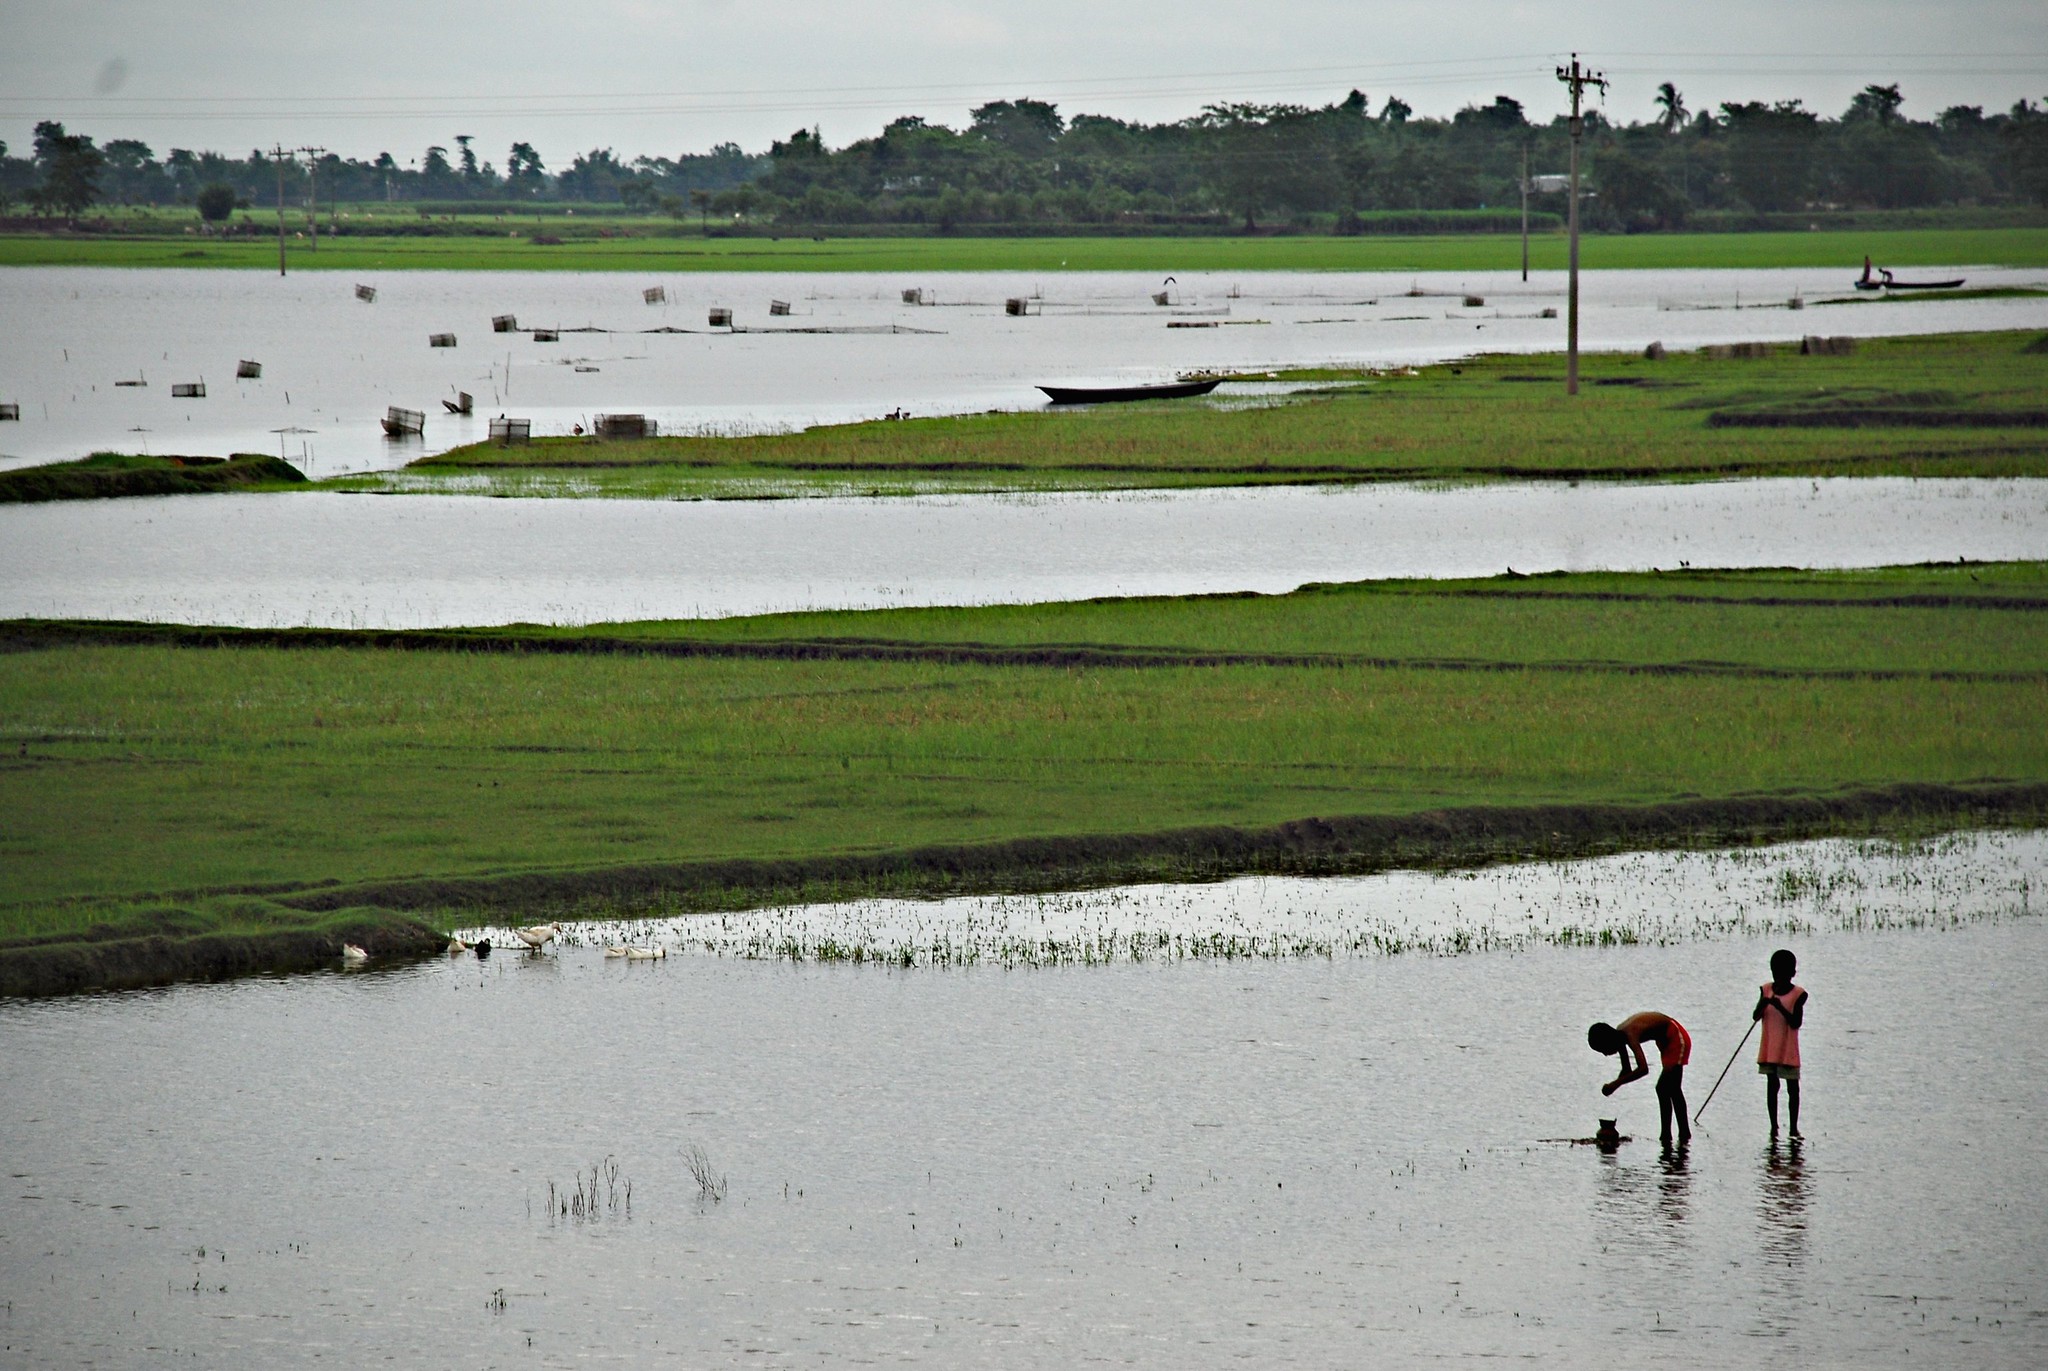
x=644 y=76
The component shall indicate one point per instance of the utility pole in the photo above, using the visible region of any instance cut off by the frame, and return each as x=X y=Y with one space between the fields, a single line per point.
x=313 y=196
x=279 y=153
x=1525 y=212
x=1578 y=78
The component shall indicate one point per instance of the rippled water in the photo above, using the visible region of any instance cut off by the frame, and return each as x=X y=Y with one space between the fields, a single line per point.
x=362 y=561
x=331 y=364
x=1302 y=1162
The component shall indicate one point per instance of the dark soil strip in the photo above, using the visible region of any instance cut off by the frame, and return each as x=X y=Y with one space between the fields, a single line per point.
x=1310 y=847
x=1879 y=417
x=2010 y=602
x=29 y=636
x=117 y=962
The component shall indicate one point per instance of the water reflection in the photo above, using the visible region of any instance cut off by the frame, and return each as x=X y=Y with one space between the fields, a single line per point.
x=1674 y=1184
x=1641 y=1209
x=1784 y=1197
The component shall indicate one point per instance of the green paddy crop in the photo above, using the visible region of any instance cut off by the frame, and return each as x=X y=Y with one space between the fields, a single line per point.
x=637 y=250
x=152 y=770
x=1954 y=405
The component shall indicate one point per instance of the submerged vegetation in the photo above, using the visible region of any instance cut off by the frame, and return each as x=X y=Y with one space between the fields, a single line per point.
x=1952 y=405
x=1641 y=898
x=162 y=780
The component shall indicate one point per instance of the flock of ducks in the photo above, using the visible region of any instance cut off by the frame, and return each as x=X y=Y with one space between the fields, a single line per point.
x=535 y=938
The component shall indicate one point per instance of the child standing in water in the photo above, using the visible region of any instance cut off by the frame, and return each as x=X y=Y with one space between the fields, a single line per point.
x=1674 y=1050
x=1781 y=1006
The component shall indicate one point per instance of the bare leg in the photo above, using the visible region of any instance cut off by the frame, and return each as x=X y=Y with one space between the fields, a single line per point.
x=1771 y=1100
x=1792 y=1100
x=1670 y=1101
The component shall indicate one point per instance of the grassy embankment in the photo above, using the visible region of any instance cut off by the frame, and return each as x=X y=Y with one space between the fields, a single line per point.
x=106 y=475
x=256 y=787
x=2019 y=247
x=1958 y=405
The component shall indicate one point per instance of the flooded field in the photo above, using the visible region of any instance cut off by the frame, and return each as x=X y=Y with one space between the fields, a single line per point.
x=1791 y=890
x=1302 y=1161
x=850 y=348
x=362 y=562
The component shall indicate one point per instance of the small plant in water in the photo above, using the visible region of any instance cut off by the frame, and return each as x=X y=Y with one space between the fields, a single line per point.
x=710 y=1184
x=604 y=1190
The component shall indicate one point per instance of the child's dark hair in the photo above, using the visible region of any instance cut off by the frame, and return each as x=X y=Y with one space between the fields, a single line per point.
x=1604 y=1037
x=1783 y=966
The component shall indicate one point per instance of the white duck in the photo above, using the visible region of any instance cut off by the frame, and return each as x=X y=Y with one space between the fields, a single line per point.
x=351 y=953
x=618 y=952
x=646 y=954
x=537 y=937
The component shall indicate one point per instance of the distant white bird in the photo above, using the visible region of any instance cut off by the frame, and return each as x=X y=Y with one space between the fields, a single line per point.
x=540 y=935
x=646 y=954
x=351 y=953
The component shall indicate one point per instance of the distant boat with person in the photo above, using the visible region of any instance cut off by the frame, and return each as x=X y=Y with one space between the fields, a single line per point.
x=1882 y=279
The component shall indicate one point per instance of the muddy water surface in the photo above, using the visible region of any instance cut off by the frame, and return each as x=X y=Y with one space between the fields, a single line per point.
x=1302 y=1162
x=420 y=561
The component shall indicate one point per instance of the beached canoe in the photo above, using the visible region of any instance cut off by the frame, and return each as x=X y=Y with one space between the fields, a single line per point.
x=1105 y=395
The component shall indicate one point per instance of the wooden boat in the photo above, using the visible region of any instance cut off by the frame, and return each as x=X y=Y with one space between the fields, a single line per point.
x=1106 y=395
x=461 y=404
x=1908 y=285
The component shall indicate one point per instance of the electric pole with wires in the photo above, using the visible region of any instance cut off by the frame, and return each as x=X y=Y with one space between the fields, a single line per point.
x=313 y=156
x=1578 y=78
x=279 y=153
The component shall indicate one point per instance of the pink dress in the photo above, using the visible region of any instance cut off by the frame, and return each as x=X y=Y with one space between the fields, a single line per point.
x=1781 y=1040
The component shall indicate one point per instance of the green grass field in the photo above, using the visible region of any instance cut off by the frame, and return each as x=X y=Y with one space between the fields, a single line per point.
x=160 y=779
x=109 y=475
x=1957 y=405
x=2019 y=247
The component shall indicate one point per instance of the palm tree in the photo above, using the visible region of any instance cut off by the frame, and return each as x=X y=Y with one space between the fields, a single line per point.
x=1673 y=105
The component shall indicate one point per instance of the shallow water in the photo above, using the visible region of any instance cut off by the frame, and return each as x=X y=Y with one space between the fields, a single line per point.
x=364 y=561
x=1786 y=890
x=1305 y=1162
x=331 y=364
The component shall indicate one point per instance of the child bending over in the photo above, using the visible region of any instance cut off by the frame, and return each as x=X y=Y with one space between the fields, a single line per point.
x=1674 y=1050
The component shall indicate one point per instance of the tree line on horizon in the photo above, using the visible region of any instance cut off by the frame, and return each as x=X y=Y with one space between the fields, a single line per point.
x=1254 y=167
